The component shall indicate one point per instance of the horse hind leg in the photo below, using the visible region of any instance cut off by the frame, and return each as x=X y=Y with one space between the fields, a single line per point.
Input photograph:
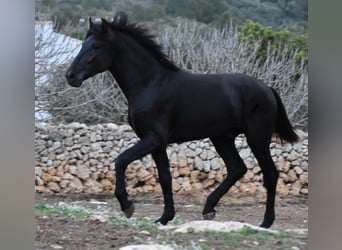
x=259 y=144
x=236 y=168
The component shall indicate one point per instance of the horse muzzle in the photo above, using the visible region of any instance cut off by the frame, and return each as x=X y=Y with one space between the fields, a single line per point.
x=73 y=79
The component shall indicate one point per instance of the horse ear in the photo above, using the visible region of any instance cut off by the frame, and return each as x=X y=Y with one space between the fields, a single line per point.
x=90 y=23
x=104 y=25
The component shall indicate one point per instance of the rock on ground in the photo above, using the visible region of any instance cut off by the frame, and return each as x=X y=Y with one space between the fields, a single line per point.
x=207 y=225
x=147 y=247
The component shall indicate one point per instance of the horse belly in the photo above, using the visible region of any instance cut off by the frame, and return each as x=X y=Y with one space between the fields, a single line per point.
x=202 y=123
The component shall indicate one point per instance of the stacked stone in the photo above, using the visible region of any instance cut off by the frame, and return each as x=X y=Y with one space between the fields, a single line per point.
x=78 y=158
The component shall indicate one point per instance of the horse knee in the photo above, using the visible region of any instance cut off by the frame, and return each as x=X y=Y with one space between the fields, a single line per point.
x=120 y=162
x=271 y=178
x=238 y=173
x=242 y=171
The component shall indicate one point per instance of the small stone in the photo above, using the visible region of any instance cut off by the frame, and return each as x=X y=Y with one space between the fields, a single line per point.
x=110 y=175
x=284 y=166
x=106 y=184
x=220 y=175
x=247 y=177
x=296 y=187
x=68 y=176
x=92 y=186
x=148 y=188
x=64 y=183
x=186 y=186
x=216 y=163
x=85 y=149
x=46 y=177
x=175 y=186
x=202 y=176
x=56 y=246
x=38 y=171
x=56 y=178
x=256 y=170
x=298 y=170
x=40 y=189
x=197 y=186
x=212 y=174
x=173 y=159
x=39 y=181
x=292 y=177
x=304 y=191
x=190 y=153
x=112 y=126
x=60 y=170
x=198 y=163
x=292 y=156
x=52 y=171
x=211 y=155
x=144 y=232
x=248 y=188
x=76 y=185
x=184 y=171
x=143 y=174
x=208 y=183
x=194 y=176
x=53 y=186
x=283 y=176
x=83 y=172
x=198 y=151
x=206 y=166
x=95 y=146
x=182 y=159
x=282 y=187
x=73 y=170
x=304 y=179
x=245 y=153
x=203 y=155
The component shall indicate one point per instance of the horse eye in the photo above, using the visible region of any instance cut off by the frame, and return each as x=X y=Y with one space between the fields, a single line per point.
x=95 y=45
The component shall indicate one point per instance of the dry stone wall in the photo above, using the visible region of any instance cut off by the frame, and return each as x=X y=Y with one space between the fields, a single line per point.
x=78 y=158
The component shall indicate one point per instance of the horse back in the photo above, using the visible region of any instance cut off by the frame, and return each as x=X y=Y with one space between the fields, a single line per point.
x=205 y=105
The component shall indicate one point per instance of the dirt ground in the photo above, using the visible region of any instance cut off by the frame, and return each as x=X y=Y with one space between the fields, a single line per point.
x=61 y=231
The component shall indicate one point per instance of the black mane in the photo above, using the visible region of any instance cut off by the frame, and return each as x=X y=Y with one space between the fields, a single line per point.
x=143 y=37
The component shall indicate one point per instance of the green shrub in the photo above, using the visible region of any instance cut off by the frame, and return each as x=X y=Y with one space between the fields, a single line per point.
x=277 y=39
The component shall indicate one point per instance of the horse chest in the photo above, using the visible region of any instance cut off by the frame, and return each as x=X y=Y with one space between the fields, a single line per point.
x=144 y=119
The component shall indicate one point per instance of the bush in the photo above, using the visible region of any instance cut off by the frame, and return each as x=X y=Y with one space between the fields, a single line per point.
x=275 y=39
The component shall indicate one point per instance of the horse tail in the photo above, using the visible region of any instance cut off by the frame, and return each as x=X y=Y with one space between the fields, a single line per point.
x=283 y=127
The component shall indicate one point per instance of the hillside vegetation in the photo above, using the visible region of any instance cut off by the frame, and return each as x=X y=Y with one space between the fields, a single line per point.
x=278 y=14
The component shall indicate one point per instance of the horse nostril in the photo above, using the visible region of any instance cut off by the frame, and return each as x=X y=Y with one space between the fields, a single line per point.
x=70 y=75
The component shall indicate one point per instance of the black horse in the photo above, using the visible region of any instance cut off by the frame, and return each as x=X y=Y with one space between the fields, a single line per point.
x=169 y=105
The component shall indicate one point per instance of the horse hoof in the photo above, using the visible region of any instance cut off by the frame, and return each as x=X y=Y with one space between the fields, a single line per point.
x=165 y=219
x=209 y=216
x=129 y=211
x=161 y=222
x=265 y=225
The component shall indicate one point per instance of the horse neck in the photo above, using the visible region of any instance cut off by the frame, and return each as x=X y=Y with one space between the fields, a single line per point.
x=133 y=66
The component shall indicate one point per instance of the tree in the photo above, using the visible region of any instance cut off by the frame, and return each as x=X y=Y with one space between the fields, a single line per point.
x=275 y=39
x=98 y=100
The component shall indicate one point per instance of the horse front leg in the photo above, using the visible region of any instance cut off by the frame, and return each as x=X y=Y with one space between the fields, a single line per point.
x=142 y=148
x=162 y=162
